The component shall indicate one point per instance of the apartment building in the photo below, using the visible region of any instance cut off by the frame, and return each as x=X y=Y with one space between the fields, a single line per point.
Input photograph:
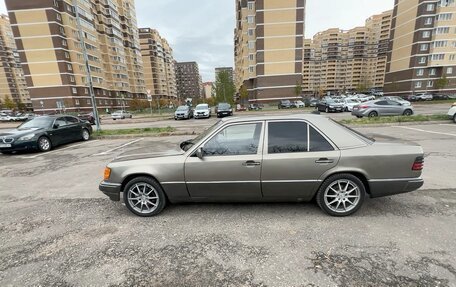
x=158 y=61
x=208 y=90
x=422 y=54
x=12 y=80
x=269 y=38
x=338 y=61
x=229 y=70
x=188 y=78
x=51 y=37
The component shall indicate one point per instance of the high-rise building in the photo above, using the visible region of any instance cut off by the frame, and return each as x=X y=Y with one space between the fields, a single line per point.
x=12 y=80
x=189 y=84
x=269 y=39
x=229 y=70
x=422 y=55
x=51 y=37
x=338 y=61
x=159 y=70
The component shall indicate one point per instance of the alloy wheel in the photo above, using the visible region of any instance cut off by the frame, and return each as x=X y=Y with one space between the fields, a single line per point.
x=44 y=144
x=342 y=196
x=143 y=198
x=85 y=135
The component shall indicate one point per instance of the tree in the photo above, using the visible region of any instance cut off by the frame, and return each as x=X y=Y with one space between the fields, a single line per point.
x=442 y=83
x=224 y=88
x=243 y=94
x=9 y=104
x=21 y=106
x=298 y=89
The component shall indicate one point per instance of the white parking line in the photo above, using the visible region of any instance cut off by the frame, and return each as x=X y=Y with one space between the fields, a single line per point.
x=424 y=131
x=450 y=125
x=119 y=147
x=57 y=150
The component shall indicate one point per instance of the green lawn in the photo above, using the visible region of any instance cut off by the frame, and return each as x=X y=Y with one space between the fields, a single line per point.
x=399 y=119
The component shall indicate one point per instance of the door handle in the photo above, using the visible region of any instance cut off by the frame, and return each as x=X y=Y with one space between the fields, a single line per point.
x=251 y=163
x=324 y=161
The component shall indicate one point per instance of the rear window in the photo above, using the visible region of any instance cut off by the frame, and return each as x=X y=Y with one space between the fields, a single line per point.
x=356 y=133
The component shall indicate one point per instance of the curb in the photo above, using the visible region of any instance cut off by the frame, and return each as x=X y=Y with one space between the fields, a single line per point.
x=158 y=135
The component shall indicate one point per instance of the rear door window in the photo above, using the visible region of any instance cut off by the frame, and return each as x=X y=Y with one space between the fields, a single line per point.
x=287 y=137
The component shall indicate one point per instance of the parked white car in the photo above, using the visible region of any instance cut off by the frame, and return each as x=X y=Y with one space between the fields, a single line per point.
x=365 y=98
x=452 y=113
x=202 y=111
x=120 y=115
x=424 y=97
x=298 y=104
x=397 y=99
x=350 y=103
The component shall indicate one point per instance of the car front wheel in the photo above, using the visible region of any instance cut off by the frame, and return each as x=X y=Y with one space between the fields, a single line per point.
x=44 y=144
x=408 y=113
x=144 y=196
x=454 y=118
x=341 y=195
x=85 y=135
x=373 y=115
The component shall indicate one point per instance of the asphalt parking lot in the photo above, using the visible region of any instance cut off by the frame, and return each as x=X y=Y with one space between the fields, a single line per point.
x=57 y=229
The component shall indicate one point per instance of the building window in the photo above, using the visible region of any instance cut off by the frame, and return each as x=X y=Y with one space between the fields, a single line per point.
x=251 y=57
x=251 y=5
x=58 y=17
x=251 y=32
x=251 y=69
x=432 y=72
x=450 y=70
x=76 y=102
x=250 y=19
x=426 y=34
x=70 y=68
x=251 y=44
x=428 y=21
x=75 y=91
x=430 y=84
x=89 y=102
x=440 y=44
x=64 y=43
x=56 y=4
x=438 y=57
x=418 y=84
x=420 y=72
x=422 y=60
x=445 y=3
x=423 y=47
x=444 y=17
x=452 y=57
x=72 y=79
x=442 y=30
x=67 y=55
x=430 y=7
x=86 y=91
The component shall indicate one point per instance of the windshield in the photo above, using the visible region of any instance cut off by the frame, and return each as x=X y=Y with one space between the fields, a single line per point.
x=41 y=122
x=202 y=107
x=182 y=108
x=186 y=145
x=224 y=106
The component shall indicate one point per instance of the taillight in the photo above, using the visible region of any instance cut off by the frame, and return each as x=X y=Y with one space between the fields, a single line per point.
x=107 y=173
x=363 y=107
x=418 y=164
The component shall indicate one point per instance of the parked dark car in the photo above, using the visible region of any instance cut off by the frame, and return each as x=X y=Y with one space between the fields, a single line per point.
x=255 y=107
x=44 y=133
x=87 y=117
x=312 y=102
x=183 y=112
x=268 y=159
x=441 y=97
x=223 y=109
x=330 y=105
x=285 y=104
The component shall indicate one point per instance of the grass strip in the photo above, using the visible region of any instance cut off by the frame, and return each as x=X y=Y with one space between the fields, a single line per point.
x=392 y=119
x=136 y=131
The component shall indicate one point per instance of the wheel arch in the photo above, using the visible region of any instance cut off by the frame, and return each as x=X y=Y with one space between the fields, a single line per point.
x=139 y=174
x=359 y=174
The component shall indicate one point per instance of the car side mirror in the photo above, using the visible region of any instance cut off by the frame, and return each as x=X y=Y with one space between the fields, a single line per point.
x=56 y=126
x=200 y=153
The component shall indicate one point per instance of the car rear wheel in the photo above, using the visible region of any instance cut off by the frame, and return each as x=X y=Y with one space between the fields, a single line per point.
x=44 y=144
x=144 y=196
x=341 y=195
x=373 y=114
x=85 y=135
x=359 y=117
x=454 y=118
x=408 y=113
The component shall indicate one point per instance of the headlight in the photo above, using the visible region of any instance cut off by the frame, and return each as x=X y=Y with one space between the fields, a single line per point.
x=27 y=137
x=332 y=107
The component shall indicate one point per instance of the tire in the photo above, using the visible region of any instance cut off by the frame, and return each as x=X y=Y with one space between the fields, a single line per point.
x=113 y=119
x=123 y=118
x=373 y=115
x=327 y=110
x=85 y=135
x=346 y=109
x=454 y=118
x=44 y=144
x=133 y=195
x=359 y=117
x=408 y=113
x=332 y=201
x=131 y=116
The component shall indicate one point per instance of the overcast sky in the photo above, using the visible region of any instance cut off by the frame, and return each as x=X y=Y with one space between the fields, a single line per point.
x=202 y=30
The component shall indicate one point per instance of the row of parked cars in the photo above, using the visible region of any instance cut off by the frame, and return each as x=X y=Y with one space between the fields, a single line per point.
x=202 y=111
x=15 y=117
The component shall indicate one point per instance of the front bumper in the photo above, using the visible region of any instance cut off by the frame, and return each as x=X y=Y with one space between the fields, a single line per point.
x=386 y=187
x=112 y=190
x=201 y=116
x=181 y=116
x=19 y=146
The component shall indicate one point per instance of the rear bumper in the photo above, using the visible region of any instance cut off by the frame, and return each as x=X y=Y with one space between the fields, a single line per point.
x=112 y=190
x=386 y=187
